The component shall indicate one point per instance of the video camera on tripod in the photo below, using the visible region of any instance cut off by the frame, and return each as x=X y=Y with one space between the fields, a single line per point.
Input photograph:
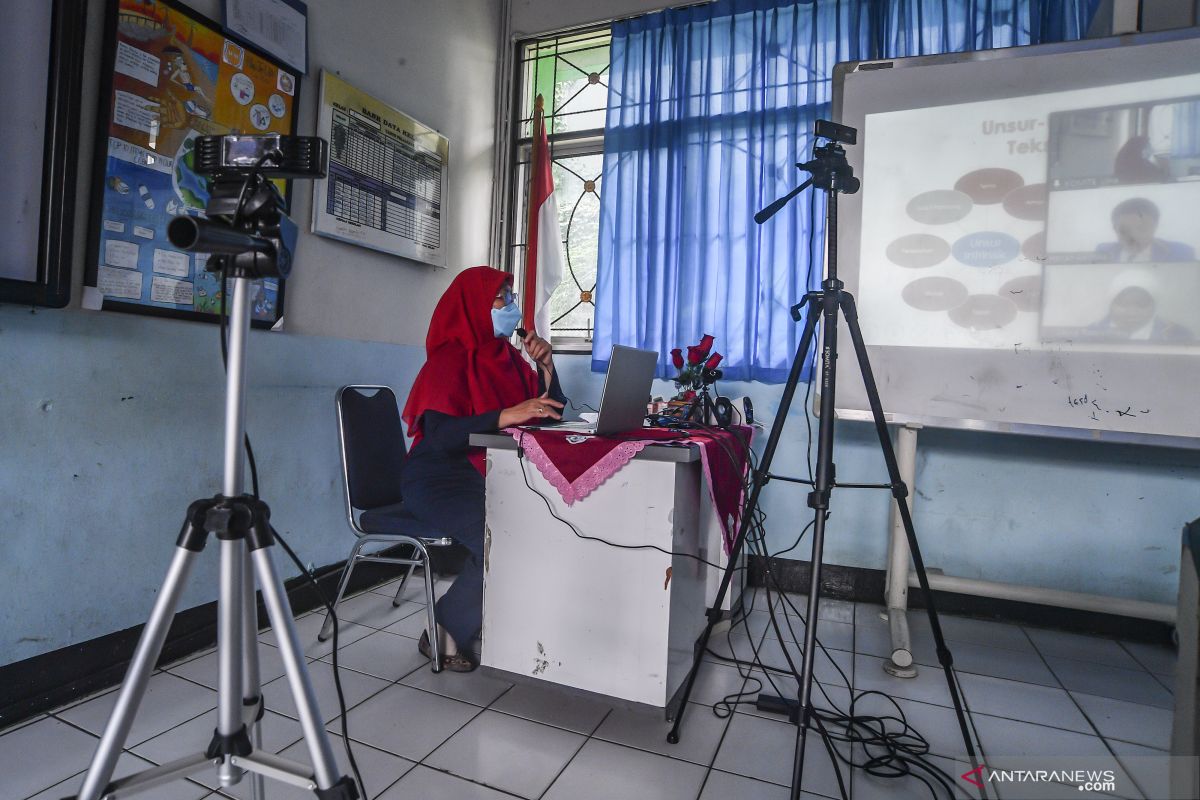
x=250 y=237
x=247 y=229
x=830 y=172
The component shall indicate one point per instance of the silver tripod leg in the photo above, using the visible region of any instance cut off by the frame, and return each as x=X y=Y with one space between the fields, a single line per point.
x=229 y=651
x=324 y=767
x=129 y=697
x=251 y=675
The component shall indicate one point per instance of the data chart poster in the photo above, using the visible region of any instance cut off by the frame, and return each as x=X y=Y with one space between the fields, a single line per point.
x=386 y=187
x=171 y=75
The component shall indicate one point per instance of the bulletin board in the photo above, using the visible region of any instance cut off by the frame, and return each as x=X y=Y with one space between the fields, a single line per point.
x=170 y=75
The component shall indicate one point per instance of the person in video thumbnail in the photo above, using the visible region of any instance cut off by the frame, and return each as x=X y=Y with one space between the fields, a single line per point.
x=1133 y=312
x=1134 y=164
x=1135 y=221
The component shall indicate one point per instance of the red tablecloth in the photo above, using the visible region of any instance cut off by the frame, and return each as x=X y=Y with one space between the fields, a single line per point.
x=575 y=464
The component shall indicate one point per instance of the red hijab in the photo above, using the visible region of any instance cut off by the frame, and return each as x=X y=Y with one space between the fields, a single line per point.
x=468 y=369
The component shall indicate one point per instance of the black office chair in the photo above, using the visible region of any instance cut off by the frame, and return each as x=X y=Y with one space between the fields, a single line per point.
x=373 y=456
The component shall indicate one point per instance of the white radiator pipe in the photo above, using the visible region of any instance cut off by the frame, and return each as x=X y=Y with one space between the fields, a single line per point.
x=1122 y=606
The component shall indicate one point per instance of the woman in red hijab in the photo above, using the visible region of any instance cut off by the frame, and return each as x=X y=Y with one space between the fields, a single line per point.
x=473 y=381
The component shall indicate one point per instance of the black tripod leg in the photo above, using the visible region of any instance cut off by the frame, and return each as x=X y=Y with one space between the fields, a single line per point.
x=900 y=492
x=813 y=301
x=818 y=501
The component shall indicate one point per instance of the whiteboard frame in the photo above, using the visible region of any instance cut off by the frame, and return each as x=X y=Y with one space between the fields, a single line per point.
x=840 y=71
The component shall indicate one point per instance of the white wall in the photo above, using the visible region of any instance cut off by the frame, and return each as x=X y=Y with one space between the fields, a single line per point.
x=437 y=63
x=538 y=16
x=1157 y=15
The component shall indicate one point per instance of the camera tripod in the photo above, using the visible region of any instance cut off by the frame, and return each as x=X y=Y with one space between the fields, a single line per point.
x=831 y=173
x=241 y=524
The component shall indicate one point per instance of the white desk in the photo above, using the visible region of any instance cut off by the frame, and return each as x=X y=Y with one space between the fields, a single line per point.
x=621 y=623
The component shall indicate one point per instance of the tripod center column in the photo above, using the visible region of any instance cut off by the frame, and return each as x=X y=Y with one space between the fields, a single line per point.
x=235 y=390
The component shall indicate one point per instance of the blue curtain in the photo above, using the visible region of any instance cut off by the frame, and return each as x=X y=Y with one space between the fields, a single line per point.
x=708 y=109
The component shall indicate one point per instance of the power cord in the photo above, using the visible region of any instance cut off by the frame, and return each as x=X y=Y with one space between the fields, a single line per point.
x=312 y=579
x=574 y=530
x=889 y=753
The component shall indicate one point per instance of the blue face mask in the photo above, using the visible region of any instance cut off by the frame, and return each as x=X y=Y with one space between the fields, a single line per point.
x=505 y=320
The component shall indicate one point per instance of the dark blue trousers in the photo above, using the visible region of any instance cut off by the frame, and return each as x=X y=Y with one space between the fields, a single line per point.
x=449 y=496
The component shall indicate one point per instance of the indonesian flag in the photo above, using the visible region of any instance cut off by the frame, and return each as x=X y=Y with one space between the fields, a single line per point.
x=543 y=249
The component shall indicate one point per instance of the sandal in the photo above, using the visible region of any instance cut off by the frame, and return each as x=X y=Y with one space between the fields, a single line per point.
x=423 y=645
x=459 y=662
x=455 y=663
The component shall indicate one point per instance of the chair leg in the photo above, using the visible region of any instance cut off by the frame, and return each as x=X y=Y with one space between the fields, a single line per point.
x=435 y=644
x=403 y=582
x=327 y=628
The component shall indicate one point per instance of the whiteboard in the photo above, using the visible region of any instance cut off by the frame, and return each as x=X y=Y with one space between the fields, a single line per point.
x=1023 y=251
x=41 y=52
x=22 y=139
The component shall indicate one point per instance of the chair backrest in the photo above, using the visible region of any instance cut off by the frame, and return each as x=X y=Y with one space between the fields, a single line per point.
x=373 y=450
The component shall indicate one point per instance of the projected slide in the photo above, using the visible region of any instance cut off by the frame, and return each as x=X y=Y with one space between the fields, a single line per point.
x=1061 y=219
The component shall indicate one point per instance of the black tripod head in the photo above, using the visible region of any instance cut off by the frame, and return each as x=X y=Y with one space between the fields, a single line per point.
x=828 y=168
x=246 y=230
x=830 y=171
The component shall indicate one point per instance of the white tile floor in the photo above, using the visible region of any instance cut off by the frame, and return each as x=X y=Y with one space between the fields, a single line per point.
x=425 y=736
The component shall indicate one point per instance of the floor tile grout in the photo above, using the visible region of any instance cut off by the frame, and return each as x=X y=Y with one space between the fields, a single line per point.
x=1087 y=717
x=575 y=755
x=766 y=635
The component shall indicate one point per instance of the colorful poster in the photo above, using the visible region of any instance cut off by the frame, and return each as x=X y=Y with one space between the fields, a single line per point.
x=387 y=176
x=173 y=76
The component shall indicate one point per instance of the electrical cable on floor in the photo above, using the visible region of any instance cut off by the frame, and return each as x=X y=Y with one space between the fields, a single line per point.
x=888 y=752
x=312 y=579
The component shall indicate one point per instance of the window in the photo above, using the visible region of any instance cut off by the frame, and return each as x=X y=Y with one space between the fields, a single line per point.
x=570 y=72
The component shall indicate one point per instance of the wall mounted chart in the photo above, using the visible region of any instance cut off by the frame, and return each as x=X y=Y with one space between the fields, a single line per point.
x=387 y=176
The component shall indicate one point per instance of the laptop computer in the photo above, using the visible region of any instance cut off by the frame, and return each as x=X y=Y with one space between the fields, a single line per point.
x=626 y=392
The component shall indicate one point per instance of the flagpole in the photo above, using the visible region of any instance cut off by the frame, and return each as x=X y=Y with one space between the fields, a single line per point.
x=529 y=279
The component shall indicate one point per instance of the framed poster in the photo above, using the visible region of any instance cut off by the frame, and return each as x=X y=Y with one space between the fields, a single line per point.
x=39 y=148
x=386 y=187
x=170 y=75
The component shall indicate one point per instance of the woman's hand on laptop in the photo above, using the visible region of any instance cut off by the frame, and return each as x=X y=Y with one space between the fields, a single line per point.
x=534 y=410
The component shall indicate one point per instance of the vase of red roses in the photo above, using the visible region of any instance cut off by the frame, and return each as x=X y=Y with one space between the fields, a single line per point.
x=690 y=378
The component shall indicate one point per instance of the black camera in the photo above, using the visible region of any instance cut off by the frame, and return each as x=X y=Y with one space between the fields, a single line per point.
x=246 y=228
x=270 y=154
x=829 y=167
x=825 y=129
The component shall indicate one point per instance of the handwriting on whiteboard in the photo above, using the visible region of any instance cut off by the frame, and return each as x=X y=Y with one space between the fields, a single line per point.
x=1091 y=405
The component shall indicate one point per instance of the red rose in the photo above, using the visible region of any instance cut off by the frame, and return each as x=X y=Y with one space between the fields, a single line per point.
x=695 y=355
x=706 y=343
x=713 y=360
x=677 y=358
x=689 y=395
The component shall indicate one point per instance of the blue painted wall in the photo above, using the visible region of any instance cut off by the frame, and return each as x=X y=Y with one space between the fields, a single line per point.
x=1078 y=516
x=110 y=424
